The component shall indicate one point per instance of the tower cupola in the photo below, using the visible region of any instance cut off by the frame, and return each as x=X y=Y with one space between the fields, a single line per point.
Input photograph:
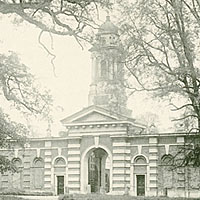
x=107 y=35
x=108 y=27
x=106 y=89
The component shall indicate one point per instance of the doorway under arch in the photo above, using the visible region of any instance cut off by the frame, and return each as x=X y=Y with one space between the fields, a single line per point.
x=96 y=171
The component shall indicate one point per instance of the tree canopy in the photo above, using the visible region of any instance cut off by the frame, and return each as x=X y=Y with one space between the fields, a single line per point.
x=161 y=40
x=61 y=17
x=19 y=88
x=10 y=134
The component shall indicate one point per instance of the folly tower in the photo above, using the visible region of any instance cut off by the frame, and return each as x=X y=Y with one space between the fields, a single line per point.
x=106 y=89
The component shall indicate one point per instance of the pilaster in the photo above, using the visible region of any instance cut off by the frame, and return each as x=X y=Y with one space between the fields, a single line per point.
x=152 y=180
x=48 y=176
x=73 y=160
x=26 y=179
x=121 y=166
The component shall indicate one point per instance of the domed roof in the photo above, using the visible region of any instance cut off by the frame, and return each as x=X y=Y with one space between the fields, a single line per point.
x=108 y=27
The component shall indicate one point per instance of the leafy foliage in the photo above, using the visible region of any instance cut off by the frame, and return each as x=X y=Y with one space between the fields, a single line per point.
x=6 y=165
x=11 y=131
x=161 y=39
x=18 y=87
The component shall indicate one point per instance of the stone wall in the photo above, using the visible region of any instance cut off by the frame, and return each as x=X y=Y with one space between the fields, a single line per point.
x=130 y=156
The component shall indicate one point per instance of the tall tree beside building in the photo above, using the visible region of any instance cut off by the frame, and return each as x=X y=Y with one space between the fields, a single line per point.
x=161 y=40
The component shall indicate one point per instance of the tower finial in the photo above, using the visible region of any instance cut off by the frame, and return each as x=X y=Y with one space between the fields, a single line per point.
x=107 y=18
x=107 y=15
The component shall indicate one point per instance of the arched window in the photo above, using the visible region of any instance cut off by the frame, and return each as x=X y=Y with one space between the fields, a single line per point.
x=38 y=172
x=38 y=162
x=17 y=163
x=140 y=165
x=60 y=162
x=60 y=165
x=140 y=160
x=104 y=69
x=167 y=160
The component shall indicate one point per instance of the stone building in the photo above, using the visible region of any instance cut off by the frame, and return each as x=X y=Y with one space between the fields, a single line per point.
x=103 y=150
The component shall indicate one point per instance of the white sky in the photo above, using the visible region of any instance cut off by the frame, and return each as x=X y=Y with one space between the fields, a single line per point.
x=70 y=87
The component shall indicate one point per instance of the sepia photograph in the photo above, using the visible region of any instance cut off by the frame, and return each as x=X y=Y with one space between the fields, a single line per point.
x=99 y=99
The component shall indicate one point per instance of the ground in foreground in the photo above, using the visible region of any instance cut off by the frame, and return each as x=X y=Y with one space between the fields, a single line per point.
x=89 y=197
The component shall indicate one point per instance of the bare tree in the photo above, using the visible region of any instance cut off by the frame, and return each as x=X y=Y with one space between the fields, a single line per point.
x=161 y=40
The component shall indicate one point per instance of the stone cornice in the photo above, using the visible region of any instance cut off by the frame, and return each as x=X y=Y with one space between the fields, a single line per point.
x=104 y=123
x=161 y=135
x=55 y=138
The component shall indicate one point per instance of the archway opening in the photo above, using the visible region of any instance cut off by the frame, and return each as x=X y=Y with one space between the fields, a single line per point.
x=98 y=171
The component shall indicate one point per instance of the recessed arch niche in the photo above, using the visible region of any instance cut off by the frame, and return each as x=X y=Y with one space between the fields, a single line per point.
x=17 y=176
x=38 y=173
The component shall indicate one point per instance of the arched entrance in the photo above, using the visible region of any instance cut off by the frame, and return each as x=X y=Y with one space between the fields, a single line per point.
x=96 y=171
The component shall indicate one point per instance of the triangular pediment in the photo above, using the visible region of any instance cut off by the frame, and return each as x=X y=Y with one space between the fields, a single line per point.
x=92 y=114
x=95 y=116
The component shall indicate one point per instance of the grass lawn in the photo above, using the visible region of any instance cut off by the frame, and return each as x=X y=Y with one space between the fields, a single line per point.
x=98 y=197
x=10 y=198
x=124 y=197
